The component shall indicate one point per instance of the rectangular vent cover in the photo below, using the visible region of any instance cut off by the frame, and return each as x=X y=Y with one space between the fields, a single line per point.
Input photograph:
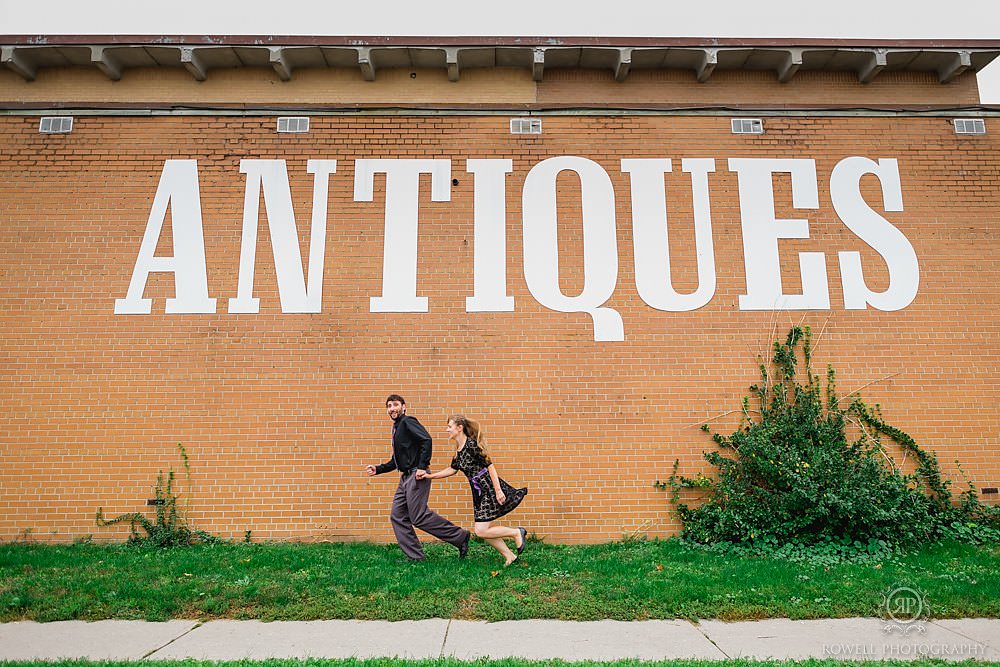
x=56 y=124
x=970 y=126
x=293 y=124
x=525 y=125
x=748 y=126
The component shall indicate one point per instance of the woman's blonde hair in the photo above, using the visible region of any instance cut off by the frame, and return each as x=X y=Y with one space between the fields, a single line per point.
x=472 y=429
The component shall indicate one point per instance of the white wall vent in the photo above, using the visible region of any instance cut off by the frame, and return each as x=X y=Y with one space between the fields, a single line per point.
x=748 y=126
x=293 y=124
x=56 y=125
x=525 y=125
x=970 y=126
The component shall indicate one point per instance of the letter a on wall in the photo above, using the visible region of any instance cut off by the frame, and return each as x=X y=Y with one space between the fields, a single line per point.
x=178 y=188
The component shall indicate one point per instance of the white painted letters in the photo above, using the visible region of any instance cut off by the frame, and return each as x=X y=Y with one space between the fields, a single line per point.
x=761 y=231
x=178 y=187
x=877 y=232
x=178 y=193
x=490 y=241
x=651 y=241
x=402 y=190
x=600 y=249
x=271 y=176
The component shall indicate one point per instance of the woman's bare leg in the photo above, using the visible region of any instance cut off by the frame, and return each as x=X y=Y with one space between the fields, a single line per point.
x=486 y=530
x=494 y=536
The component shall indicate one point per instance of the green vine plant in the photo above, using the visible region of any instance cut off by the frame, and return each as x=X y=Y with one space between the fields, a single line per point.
x=807 y=468
x=169 y=527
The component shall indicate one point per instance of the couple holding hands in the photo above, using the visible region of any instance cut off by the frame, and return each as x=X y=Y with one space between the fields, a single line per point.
x=492 y=497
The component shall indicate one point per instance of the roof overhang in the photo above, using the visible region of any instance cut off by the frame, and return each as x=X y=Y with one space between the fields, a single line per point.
x=199 y=55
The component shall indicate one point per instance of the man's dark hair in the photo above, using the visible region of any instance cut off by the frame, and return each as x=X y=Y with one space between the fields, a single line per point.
x=395 y=397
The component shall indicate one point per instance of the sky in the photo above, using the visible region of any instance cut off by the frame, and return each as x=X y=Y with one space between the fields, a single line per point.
x=842 y=19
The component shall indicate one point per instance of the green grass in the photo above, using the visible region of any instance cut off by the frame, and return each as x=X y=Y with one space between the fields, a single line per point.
x=621 y=580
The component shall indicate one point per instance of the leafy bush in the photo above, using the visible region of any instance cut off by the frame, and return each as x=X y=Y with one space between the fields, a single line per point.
x=169 y=527
x=804 y=470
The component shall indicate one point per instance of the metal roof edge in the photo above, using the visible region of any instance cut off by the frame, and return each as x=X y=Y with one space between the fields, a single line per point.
x=137 y=109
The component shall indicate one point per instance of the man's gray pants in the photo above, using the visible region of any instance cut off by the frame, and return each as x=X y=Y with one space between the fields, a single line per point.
x=409 y=510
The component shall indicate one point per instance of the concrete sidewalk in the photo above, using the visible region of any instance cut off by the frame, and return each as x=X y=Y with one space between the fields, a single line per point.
x=846 y=638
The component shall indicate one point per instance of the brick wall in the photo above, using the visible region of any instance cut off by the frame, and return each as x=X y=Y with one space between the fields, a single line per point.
x=279 y=413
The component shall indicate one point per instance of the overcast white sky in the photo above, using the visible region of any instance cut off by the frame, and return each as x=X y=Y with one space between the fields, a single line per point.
x=837 y=19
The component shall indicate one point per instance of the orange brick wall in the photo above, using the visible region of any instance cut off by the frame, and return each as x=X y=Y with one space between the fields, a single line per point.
x=279 y=413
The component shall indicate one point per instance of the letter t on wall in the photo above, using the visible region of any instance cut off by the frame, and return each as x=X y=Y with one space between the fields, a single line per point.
x=402 y=194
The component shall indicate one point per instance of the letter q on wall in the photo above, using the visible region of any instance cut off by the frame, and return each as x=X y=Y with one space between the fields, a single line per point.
x=600 y=248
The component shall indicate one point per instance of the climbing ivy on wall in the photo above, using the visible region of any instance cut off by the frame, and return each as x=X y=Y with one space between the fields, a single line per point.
x=807 y=466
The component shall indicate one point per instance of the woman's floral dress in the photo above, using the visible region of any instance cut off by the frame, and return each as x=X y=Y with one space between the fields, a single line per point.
x=471 y=460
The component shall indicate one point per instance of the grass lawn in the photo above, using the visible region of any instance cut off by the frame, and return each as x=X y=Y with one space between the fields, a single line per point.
x=621 y=580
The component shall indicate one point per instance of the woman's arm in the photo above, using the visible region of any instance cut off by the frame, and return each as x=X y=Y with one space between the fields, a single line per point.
x=447 y=472
x=495 y=478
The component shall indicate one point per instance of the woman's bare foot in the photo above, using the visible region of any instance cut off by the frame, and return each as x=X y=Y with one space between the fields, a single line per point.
x=510 y=561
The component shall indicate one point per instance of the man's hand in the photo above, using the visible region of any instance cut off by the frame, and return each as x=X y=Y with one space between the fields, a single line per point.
x=370 y=469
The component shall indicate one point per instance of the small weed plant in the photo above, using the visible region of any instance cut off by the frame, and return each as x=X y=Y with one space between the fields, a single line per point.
x=808 y=476
x=169 y=526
